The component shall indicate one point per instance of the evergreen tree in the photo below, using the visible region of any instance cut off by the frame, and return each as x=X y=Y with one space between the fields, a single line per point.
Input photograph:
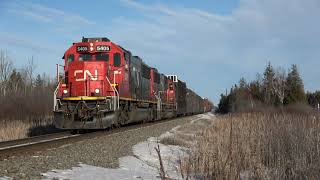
x=255 y=91
x=39 y=82
x=224 y=106
x=317 y=96
x=312 y=99
x=275 y=88
x=294 y=87
x=16 y=82
x=242 y=83
x=242 y=96
x=268 y=80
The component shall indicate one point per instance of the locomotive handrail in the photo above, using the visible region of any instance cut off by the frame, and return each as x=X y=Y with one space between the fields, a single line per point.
x=55 y=96
x=159 y=104
x=115 y=92
x=115 y=89
x=118 y=103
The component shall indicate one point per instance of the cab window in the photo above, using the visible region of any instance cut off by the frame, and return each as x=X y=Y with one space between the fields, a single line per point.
x=116 y=60
x=70 y=58
x=156 y=78
x=102 y=57
x=85 y=57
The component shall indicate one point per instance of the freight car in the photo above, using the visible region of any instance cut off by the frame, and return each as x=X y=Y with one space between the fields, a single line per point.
x=104 y=85
x=207 y=105
x=194 y=103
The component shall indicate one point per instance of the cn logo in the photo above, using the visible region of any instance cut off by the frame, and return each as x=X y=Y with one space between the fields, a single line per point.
x=85 y=74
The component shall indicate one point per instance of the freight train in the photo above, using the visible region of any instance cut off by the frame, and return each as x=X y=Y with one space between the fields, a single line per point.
x=104 y=85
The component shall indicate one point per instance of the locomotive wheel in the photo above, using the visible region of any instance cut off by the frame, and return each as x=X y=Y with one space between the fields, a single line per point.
x=122 y=116
x=78 y=131
x=154 y=114
x=74 y=131
x=116 y=122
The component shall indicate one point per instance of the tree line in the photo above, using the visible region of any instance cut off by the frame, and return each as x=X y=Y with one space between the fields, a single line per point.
x=276 y=87
x=23 y=94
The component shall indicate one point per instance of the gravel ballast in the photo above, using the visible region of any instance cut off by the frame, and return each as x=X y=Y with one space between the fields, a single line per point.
x=102 y=151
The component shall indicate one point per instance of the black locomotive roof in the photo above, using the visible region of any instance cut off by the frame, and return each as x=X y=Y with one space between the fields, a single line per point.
x=137 y=57
x=95 y=39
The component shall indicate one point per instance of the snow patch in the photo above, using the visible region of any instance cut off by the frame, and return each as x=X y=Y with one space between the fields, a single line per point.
x=131 y=168
x=143 y=165
x=5 y=178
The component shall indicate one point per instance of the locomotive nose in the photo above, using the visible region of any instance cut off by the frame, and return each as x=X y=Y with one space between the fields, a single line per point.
x=88 y=79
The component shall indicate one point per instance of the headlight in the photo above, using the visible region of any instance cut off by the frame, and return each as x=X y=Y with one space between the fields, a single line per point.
x=65 y=91
x=97 y=91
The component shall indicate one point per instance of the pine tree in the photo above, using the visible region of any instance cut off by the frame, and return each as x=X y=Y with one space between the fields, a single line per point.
x=224 y=106
x=313 y=98
x=15 y=83
x=39 y=82
x=268 y=80
x=242 y=83
x=294 y=87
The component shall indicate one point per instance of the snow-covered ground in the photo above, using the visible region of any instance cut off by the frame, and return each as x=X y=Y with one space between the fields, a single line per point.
x=143 y=165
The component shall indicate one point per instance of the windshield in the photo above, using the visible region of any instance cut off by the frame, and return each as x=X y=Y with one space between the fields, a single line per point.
x=97 y=57
x=85 y=57
x=102 y=57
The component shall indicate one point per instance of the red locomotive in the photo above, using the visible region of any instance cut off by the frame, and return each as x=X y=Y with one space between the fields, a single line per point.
x=104 y=86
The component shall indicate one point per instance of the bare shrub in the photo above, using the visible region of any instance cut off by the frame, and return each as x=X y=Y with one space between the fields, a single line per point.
x=258 y=145
x=162 y=172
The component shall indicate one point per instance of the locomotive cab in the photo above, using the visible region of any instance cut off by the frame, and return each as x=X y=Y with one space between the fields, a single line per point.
x=92 y=68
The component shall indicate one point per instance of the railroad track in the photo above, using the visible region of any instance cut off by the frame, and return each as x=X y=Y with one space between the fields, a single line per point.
x=29 y=146
x=33 y=140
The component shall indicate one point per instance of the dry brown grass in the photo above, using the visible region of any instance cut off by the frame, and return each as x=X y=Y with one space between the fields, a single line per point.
x=185 y=135
x=10 y=130
x=263 y=145
x=17 y=129
x=177 y=140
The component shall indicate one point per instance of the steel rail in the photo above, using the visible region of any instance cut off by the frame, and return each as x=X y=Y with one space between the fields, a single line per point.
x=16 y=142
x=35 y=144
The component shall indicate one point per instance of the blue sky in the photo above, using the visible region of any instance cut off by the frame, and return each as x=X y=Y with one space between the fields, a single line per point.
x=210 y=44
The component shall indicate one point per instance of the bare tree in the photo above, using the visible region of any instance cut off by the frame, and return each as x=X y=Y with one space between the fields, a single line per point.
x=18 y=90
x=29 y=73
x=6 y=67
x=279 y=84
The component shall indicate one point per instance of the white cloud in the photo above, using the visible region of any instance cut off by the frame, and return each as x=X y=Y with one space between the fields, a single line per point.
x=253 y=27
x=46 y=14
x=283 y=32
x=16 y=41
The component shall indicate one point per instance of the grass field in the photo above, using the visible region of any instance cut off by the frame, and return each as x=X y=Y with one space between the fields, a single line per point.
x=256 y=145
x=263 y=145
